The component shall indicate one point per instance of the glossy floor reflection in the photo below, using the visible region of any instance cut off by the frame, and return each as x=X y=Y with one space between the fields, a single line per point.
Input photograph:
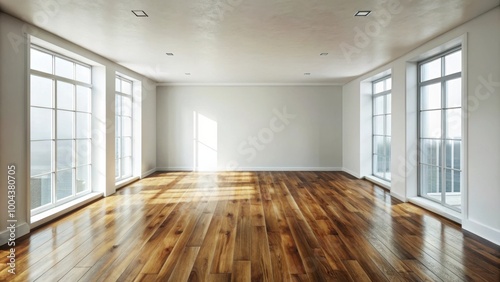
x=252 y=226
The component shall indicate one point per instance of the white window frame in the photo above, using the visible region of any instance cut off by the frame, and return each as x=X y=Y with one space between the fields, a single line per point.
x=386 y=93
x=442 y=164
x=54 y=169
x=119 y=129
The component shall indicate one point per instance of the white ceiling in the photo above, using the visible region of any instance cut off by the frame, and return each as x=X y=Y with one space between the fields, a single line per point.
x=248 y=41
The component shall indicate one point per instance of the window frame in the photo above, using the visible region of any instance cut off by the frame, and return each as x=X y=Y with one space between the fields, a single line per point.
x=442 y=80
x=54 y=171
x=386 y=93
x=122 y=94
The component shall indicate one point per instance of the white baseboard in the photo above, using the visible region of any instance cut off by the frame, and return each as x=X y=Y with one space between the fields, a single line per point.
x=437 y=208
x=399 y=197
x=351 y=173
x=379 y=182
x=21 y=230
x=148 y=173
x=257 y=169
x=488 y=233
x=176 y=168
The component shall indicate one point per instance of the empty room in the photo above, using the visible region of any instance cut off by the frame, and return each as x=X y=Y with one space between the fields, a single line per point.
x=236 y=140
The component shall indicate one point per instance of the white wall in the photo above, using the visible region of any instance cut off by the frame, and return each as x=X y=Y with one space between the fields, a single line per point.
x=311 y=140
x=351 y=140
x=482 y=51
x=13 y=116
x=148 y=163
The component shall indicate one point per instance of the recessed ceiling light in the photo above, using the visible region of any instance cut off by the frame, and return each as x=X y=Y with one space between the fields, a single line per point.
x=362 y=13
x=307 y=73
x=170 y=54
x=187 y=73
x=323 y=54
x=140 y=13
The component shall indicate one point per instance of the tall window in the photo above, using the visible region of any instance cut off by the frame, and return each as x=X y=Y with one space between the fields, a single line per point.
x=123 y=123
x=440 y=128
x=60 y=129
x=382 y=128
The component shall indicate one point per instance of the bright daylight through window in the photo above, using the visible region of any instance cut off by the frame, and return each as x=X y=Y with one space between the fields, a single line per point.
x=60 y=129
x=123 y=127
x=440 y=128
x=382 y=128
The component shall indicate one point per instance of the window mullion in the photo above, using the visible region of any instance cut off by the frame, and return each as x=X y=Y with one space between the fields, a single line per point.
x=443 y=132
x=54 y=185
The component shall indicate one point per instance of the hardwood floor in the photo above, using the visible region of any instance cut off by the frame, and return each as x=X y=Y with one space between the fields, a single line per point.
x=246 y=226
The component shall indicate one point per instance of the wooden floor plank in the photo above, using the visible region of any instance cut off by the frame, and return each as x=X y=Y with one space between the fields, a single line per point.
x=252 y=226
x=242 y=271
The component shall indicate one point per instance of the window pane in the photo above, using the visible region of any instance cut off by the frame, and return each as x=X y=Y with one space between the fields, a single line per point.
x=430 y=181
x=378 y=125
x=83 y=73
x=41 y=91
x=127 y=106
x=117 y=85
x=452 y=155
x=378 y=87
x=127 y=146
x=41 y=124
x=379 y=166
x=452 y=186
x=83 y=102
x=388 y=168
x=453 y=63
x=41 y=157
x=83 y=125
x=457 y=145
x=430 y=70
x=118 y=105
x=83 y=178
x=454 y=124
x=453 y=196
x=430 y=124
x=126 y=87
x=41 y=190
x=430 y=97
x=378 y=145
x=64 y=183
x=118 y=126
x=83 y=150
x=430 y=151
x=117 y=168
x=454 y=93
x=40 y=61
x=65 y=154
x=388 y=103
x=388 y=125
x=388 y=147
x=65 y=68
x=118 y=148
x=388 y=83
x=65 y=124
x=127 y=167
x=65 y=96
x=378 y=105
x=126 y=126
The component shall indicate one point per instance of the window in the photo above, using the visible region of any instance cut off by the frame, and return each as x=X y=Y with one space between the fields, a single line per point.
x=123 y=127
x=60 y=129
x=382 y=128
x=440 y=128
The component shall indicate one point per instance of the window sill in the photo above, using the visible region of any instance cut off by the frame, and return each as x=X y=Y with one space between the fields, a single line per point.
x=56 y=212
x=379 y=182
x=125 y=182
x=437 y=209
